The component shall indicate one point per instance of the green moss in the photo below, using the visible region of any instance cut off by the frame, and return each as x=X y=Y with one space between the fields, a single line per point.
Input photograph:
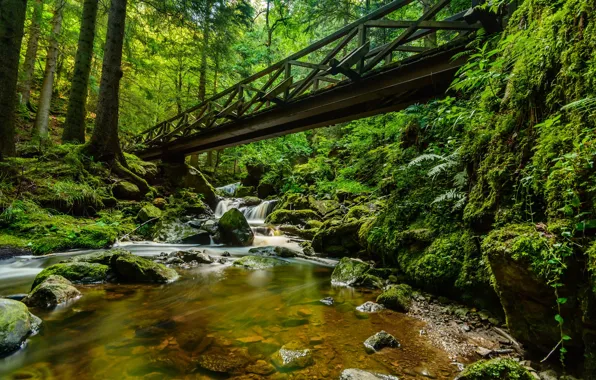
x=258 y=262
x=358 y=212
x=349 y=271
x=234 y=229
x=297 y=217
x=53 y=291
x=16 y=323
x=338 y=241
x=75 y=272
x=149 y=212
x=496 y=369
x=396 y=297
x=591 y=254
x=132 y=268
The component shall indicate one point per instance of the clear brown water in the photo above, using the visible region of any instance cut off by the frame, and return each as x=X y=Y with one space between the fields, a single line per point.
x=217 y=313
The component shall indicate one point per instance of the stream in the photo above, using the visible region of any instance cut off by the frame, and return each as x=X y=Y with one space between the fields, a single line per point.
x=216 y=321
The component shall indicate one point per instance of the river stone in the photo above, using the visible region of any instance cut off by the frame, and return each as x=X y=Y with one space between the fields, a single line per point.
x=53 y=291
x=327 y=301
x=349 y=271
x=221 y=363
x=132 y=268
x=274 y=251
x=193 y=255
x=370 y=307
x=258 y=262
x=201 y=237
x=234 y=229
x=148 y=212
x=396 y=297
x=358 y=374
x=78 y=272
x=288 y=359
x=379 y=341
x=16 y=323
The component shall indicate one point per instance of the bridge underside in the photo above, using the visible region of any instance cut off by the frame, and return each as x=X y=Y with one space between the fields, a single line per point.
x=392 y=89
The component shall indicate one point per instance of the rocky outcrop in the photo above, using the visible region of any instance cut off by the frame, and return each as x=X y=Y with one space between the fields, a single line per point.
x=349 y=272
x=293 y=217
x=496 y=369
x=52 y=292
x=379 y=341
x=78 y=272
x=358 y=374
x=396 y=297
x=258 y=262
x=234 y=229
x=180 y=175
x=16 y=324
x=338 y=241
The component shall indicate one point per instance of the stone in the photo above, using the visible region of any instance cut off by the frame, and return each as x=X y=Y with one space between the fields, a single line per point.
x=149 y=212
x=358 y=374
x=338 y=241
x=379 y=341
x=396 y=297
x=370 y=307
x=250 y=339
x=127 y=190
x=548 y=375
x=234 y=229
x=258 y=262
x=260 y=367
x=327 y=301
x=274 y=251
x=496 y=369
x=52 y=292
x=289 y=359
x=193 y=255
x=226 y=254
x=16 y=324
x=183 y=176
x=349 y=272
x=78 y=272
x=293 y=217
x=160 y=203
x=221 y=363
x=132 y=268
x=265 y=190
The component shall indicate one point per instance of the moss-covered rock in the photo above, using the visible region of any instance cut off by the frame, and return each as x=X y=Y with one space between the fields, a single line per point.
x=78 y=272
x=303 y=233
x=149 y=212
x=396 y=297
x=295 y=217
x=127 y=190
x=234 y=229
x=496 y=369
x=16 y=324
x=53 y=291
x=258 y=262
x=132 y=268
x=338 y=241
x=290 y=357
x=349 y=271
x=358 y=212
x=180 y=175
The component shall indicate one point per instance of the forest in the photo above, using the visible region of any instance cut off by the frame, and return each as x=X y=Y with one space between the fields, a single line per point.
x=444 y=231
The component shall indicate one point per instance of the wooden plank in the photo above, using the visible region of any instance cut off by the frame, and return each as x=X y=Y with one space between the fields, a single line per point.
x=309 y=65
x=272 y=95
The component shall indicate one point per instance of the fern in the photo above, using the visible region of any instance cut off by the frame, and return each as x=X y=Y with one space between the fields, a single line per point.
x=450 y=196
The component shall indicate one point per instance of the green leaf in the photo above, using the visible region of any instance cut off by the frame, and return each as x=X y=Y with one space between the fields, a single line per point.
x=566 y=337
x=561 y=300
x=559 y=319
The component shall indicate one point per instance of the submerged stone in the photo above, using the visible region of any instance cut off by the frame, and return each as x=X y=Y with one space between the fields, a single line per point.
x=396 y=297
x=359 y=374
x=234 y=229
x=379 y=341
x=370 y=307
x=53 y=291
x=221 y=363
x=327 y=301
x=349 y=271
x=16 y=324
x=258 y=262
x=289 y=359
x=496 y=369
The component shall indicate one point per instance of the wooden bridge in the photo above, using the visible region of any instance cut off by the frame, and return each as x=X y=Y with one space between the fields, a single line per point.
x=374 y=65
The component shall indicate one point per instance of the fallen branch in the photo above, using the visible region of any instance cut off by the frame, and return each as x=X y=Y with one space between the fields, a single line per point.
x=125 y=236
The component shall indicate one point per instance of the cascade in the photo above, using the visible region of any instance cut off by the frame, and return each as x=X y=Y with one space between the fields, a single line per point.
x=229 y=190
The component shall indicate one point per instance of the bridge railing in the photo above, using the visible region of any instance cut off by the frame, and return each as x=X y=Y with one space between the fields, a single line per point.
x=367 y=45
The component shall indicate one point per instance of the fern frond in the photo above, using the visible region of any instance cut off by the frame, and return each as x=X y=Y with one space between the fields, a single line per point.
x=450 y=195
x=425 y=157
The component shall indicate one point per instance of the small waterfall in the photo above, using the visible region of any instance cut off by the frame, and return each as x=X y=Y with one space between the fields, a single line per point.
x=225 y=205
x=257 y=214
x=229 y=190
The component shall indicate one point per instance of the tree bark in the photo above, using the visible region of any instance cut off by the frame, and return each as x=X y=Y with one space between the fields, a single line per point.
x=74 y=127
x=203 y=69
x=31 y=53
x=40 y=128
x=12 y=23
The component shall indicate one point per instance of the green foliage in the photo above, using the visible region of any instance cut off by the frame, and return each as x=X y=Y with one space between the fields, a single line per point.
x=496 y=369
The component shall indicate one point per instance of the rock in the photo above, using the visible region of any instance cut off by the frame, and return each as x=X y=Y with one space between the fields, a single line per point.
x=149 y=212
x=200 y=237
x=396 y=297
x=349 y=272
x=178 y=232
x=221 y=363
x=260 y=367
x=234 y=229
x=132 y=268
x=127 y=190
x=358 y=374
x=78 y=272
x=263 y=251
x=327 y=301
x=379 y=341
x=548 y=375
x=496 y=369
x=16 y=324
x=370 y=307
x=294 y=217
x=307 y=234
x=16 y=297
x=160 y=203
x=307 y=248
x=274 y=251
x=193 y=255
x=289 y=359
x=53 y=291
x=258 y=262
x=338 y=241
x=265 y=190
x=226 y=254
x=370 y=281
x=184 y=176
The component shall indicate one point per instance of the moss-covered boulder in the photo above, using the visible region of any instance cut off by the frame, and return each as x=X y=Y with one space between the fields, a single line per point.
x=127 y=190
x=258 y=262
x=180 y=175
x=234 y=229
x=78 y=272
x=338 y=241
x=349 y=271
x=294 y=217
x=52 y=292
x=149 y=212
x=132 y=268
x=496 y=369
x=304 y=233
x=396 y=297
x=16 y=324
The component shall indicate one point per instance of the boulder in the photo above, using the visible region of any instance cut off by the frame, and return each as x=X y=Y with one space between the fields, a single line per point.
x=132 y=268
x=370 y=307
x=193 y=255
x=78 y=272
x=127 y=190
x=258 y=262
x=349 y=271
x=338 y=241
x=306 y=234
x=234 y=229
x=274 y=251
x=149 y=212
x=201 y=237
x=294 y=217
x=16 y=324
x=52 y=292
x=358 y=374
x=178 y=232
x=379 y=341
x=396 y=297
x=496 y=369
x=288 y=358
x=182 y=175
x=160 y=203
x=265 y=190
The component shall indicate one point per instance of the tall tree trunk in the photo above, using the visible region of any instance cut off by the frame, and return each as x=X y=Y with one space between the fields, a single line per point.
x=40 y=128
x=74 y=127
x=203 y=69
x=31 y=53
x=12 y=23
x=104 y=142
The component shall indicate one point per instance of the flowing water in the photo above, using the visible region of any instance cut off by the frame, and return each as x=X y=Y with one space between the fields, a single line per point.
x=216 y=321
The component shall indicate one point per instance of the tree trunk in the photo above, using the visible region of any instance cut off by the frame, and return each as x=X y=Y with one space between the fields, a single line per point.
x=40 y=128
x=203 y=70
x=12 y=23
x=74 y=127
x=105 y=143
x=31 y=53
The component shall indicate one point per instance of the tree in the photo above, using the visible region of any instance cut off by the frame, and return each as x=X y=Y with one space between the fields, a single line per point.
x=31 y=53
x=74 y=127
x=40 y=128
x=12 y=24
